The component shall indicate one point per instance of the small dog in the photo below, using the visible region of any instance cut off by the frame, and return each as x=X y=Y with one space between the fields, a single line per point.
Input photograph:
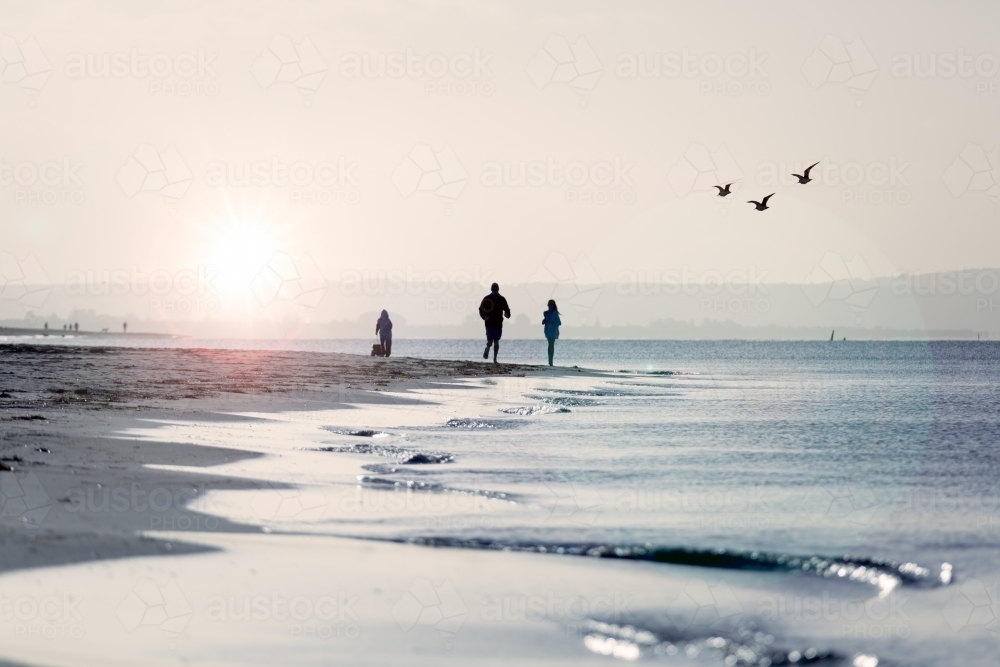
x=377 y=350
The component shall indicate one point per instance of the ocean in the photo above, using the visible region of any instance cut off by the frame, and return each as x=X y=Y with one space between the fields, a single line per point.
x=864 y=462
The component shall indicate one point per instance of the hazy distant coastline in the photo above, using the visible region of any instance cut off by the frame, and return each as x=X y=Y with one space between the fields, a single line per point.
x=948 y=305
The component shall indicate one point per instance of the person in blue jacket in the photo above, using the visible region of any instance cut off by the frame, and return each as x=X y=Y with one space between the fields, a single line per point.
x=551 y=322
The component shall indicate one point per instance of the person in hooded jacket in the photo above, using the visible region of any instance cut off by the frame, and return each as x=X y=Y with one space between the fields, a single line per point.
x=551 y=322
x=383 y=329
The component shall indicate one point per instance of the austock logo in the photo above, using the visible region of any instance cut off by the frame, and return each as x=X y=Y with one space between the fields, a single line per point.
x=151 y=605
x=23 y=281
x=47 y=617
x=302 y=501
x=575 y=286
x=50 y=182
x=849 y=282
x=577 y=501
x=324 y=182
x=848 y=501
x=287 y=278
x=732 y=74
x=875 y=182
x=980 y=68
x=284 y=61
x=184 y=74
x=701 y=169
x=470 y=73
x=837 y=63
x=427 y=170
x=23 y=499
x=559 y=62
x=599 y=182
x=702 y=606
x=975 y=605
x=150 y=170
x=426 y=604
x=23 y=64
x=974 y=170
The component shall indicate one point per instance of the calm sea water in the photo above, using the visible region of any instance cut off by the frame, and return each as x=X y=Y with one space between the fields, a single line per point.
x=887 y=449
x=868 y=465
x=879 y=461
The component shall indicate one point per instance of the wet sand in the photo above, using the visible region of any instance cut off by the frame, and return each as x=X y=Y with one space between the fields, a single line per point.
x=99 y=518
x=59 y=407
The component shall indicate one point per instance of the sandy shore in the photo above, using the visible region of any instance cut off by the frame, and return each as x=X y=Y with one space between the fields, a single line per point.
x=176 y=507
x=60 y=405
x=80 y=494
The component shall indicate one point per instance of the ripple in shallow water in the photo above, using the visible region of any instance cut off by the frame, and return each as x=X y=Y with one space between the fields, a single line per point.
x=405 y=456
x=528 y=410
x=593 y=392
x=432 y=487
x=744 y=645
x=886 y=575
x=475 y=424
x=570 y=401
x=361 y=433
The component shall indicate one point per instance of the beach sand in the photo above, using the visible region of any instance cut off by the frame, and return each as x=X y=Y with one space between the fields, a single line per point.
x=62 y=405
x=100 y=520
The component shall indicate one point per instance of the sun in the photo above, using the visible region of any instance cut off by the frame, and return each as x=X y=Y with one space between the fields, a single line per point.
x=238 y=256
x=238 y=242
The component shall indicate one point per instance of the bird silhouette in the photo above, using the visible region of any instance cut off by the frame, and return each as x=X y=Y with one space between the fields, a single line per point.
x=723 y=191
x=804 y=178
x=761 y=205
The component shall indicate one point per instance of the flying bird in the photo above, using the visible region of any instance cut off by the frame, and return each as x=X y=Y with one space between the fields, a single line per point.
x=761 y=205
x=723 y=191
x=804 y=178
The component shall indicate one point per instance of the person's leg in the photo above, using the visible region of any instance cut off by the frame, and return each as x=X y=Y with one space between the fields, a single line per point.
x=495 y=335
x=552 y=349
x=387 y=346
x=486 y=352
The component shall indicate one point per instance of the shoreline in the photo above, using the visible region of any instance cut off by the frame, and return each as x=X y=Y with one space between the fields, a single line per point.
x=100 y=503
x=127 y=457
x=63 y=333
x=61 y=407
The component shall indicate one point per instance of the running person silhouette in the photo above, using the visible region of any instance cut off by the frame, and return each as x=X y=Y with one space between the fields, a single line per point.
x=493 y=309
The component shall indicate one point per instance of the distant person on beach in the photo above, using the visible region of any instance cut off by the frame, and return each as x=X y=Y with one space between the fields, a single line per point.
x=76 y=326
x=493 y=309
x=124 y=327
x=383 y=329
x=551 y=322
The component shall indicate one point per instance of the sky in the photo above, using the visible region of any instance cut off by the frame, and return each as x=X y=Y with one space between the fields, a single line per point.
x=253 y=143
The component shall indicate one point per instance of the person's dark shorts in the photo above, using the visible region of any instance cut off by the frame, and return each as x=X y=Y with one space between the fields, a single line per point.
x=493 y=333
